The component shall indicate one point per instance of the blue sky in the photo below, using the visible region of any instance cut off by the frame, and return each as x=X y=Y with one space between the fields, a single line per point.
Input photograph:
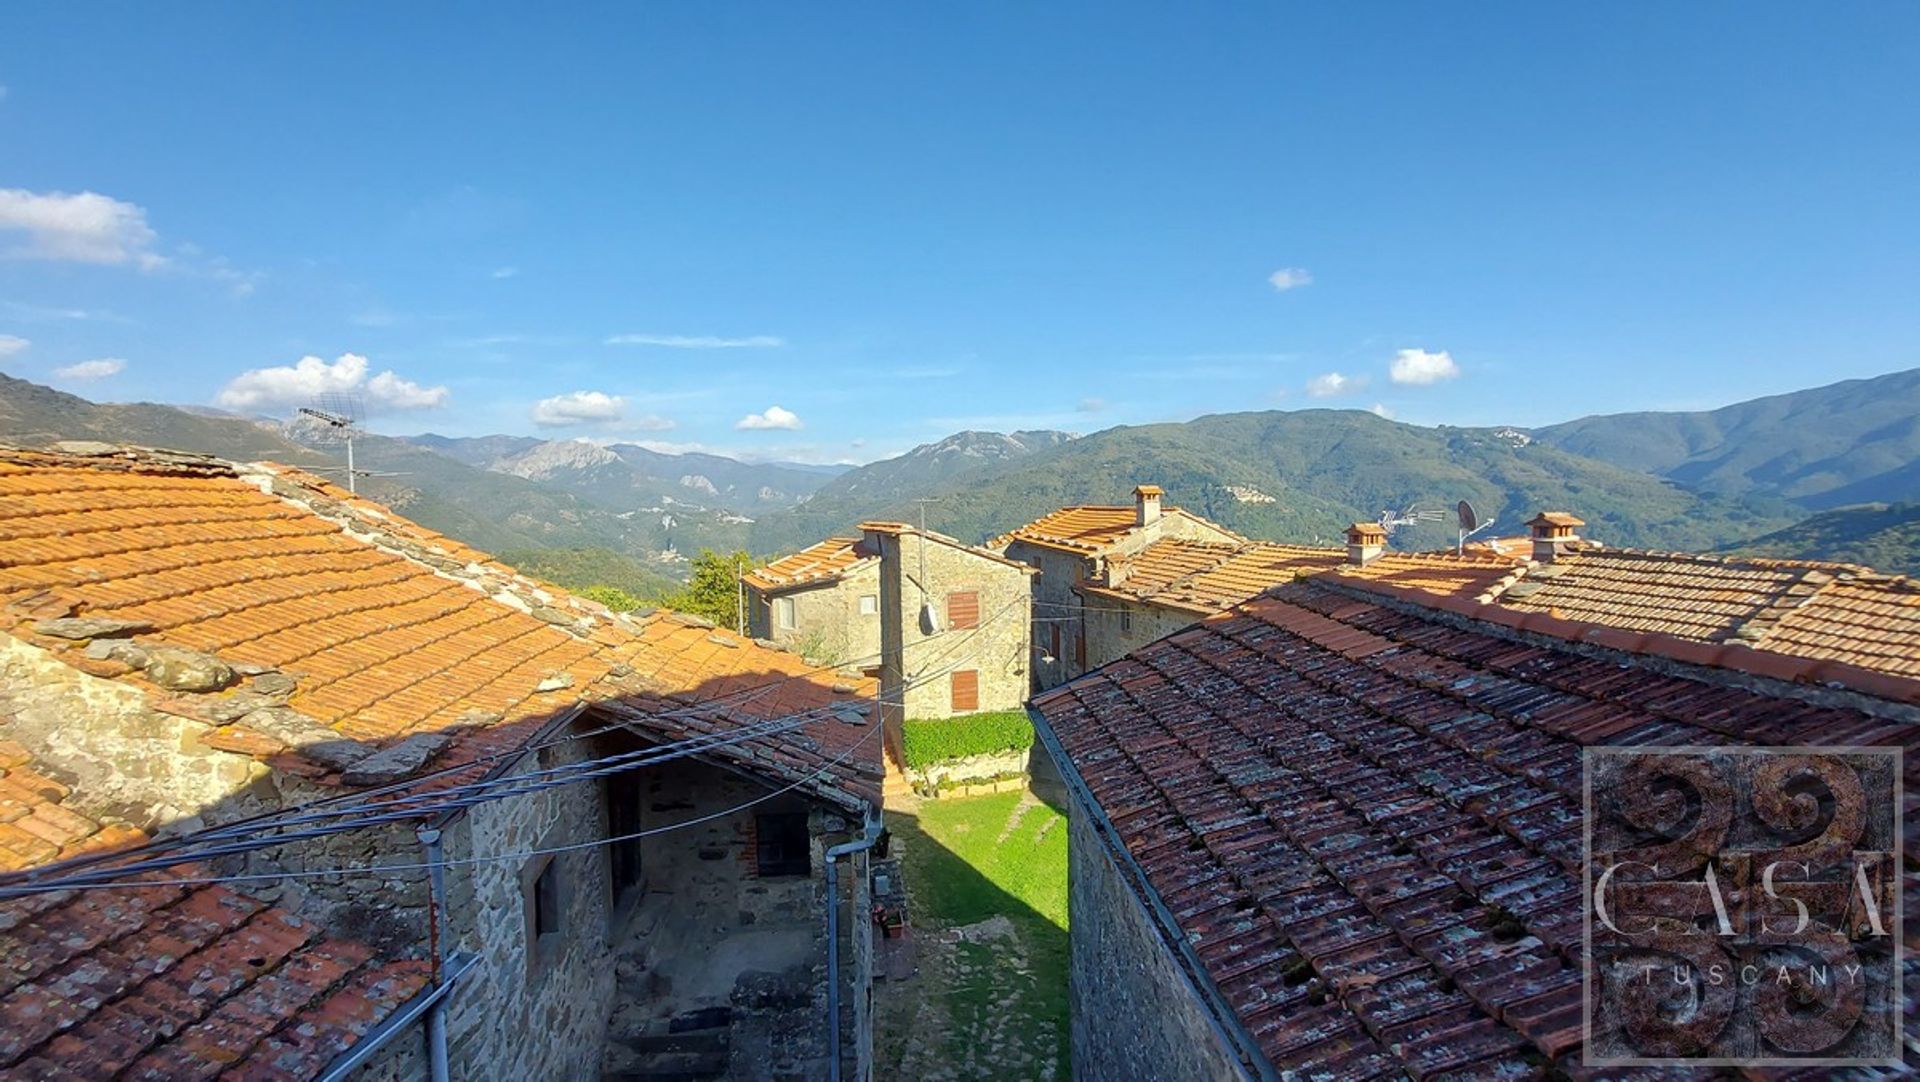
x=659 y=223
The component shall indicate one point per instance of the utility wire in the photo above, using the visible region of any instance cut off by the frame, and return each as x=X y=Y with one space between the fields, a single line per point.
x=495 y=789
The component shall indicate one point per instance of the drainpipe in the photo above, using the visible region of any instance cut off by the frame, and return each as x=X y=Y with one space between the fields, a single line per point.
x=437 y=937
x=869 y=834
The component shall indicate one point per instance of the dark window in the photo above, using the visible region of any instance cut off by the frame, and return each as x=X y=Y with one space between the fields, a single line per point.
x=1054 y=629
x=1080 y=649
x=1126 y=622
x=782 y=844
x=963 y=609
x=623 y=819
x=966 y=691
x=546 y=902
x=544 y=898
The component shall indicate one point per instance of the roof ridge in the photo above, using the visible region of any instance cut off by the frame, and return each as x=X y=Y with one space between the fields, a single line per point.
x=1733 y=657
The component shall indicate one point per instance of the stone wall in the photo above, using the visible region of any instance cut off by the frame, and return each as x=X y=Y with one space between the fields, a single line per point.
x=972 y=768
x=532 y=1009
x=1131 y=1002
x=124 y=760
x=998 y=649
x=1116 y=628
x=1056 y=610
x=708 y=945
x=829 y=628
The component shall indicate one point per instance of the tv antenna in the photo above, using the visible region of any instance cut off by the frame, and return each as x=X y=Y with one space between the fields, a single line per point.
x=1413 y=515
x=339 y=421
x=1470 y=524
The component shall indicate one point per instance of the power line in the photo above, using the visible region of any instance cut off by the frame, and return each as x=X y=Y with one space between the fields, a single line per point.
x=364 y=815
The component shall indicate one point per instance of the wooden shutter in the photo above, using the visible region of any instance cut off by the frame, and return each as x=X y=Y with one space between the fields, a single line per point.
x=966 y=691
x=963 y=609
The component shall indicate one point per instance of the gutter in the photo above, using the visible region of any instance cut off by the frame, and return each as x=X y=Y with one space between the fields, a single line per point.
x=869 y=835
x=396 y=1023
x=1220 y=1015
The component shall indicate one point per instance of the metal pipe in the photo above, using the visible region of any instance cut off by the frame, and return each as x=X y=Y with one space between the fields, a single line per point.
x=869 y=834
x=382 y=1035
x=437 y=936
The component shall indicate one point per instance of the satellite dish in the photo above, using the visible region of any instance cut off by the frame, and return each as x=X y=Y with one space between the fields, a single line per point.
x=1468 y=520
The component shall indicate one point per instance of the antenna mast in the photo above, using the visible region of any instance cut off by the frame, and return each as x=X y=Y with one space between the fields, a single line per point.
x=1470 y=524
x=340 y=413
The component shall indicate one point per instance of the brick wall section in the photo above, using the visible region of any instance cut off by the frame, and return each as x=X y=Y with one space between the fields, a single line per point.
x=1131 y=1005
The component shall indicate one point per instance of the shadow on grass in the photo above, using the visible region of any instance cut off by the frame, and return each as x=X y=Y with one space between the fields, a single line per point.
x=990 y=999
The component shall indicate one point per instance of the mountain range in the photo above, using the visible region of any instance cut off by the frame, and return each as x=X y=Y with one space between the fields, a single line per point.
x=1743 y=475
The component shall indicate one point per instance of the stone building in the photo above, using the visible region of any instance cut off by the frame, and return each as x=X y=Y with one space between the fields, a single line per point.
x=189 y=643
x=1073 y=545
x=823 y=602
x=1336 y=831
x=954 y=624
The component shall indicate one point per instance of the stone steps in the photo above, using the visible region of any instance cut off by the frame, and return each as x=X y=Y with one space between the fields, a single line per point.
x=689 y=1055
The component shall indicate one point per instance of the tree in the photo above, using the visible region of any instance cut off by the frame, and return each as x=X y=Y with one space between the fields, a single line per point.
x=713 y=588
x=612 y=597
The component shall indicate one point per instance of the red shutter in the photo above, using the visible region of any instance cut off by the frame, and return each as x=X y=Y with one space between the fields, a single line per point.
x=966 y=691
x=963 y=609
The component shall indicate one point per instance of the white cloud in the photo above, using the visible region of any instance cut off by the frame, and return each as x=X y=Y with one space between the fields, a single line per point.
x=284 y=386
x=1092 y=405
x=697 y=341
x=1289 y=278
x=1418 y=367
x=91 y=370
x=579 y=408
x=1333 y=384
x=1379 y=409
x=11 y=344
x=77 y=228
x=773 y=417
x=503 y=273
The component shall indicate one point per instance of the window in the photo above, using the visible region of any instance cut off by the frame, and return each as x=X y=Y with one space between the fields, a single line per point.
x=965 y=691
x=544 y=899
x=869 y=605
x=623 y=819
x=1126 y=622
x=1054 y=630
x=963 y=609
x=783 y=614
x=781 y=845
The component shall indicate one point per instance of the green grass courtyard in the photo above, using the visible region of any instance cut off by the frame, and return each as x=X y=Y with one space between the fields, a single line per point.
x=987 y=881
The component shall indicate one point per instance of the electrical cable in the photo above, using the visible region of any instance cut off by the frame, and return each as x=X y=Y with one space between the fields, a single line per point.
x=494 y=789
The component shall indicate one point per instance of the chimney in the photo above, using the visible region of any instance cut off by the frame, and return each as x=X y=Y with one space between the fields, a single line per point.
x=1365 y=542
x=1552 y=532
x=1146 y=505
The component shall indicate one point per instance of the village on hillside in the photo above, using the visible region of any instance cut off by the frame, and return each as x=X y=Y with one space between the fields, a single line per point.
x=993 y=542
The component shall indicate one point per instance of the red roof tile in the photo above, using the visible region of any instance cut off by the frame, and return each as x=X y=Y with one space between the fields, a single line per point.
x=161 y=981
x=1087 y=529
x=1349 y=800
x=386 y=628
x=821 y=562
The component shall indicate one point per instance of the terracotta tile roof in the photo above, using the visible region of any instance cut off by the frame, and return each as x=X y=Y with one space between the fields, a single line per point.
x=1204 y=577
x=1707 y=598
x=1475 y=574
x=820 y=562
x=166 y=981
x=1873 y=623
x=1364 y=817
x=386 y=629
x=1088 y=529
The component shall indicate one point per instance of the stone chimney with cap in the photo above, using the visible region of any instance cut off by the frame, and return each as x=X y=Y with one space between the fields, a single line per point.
x=1365 y=542
x=1146 y=505
x=1553 y=532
